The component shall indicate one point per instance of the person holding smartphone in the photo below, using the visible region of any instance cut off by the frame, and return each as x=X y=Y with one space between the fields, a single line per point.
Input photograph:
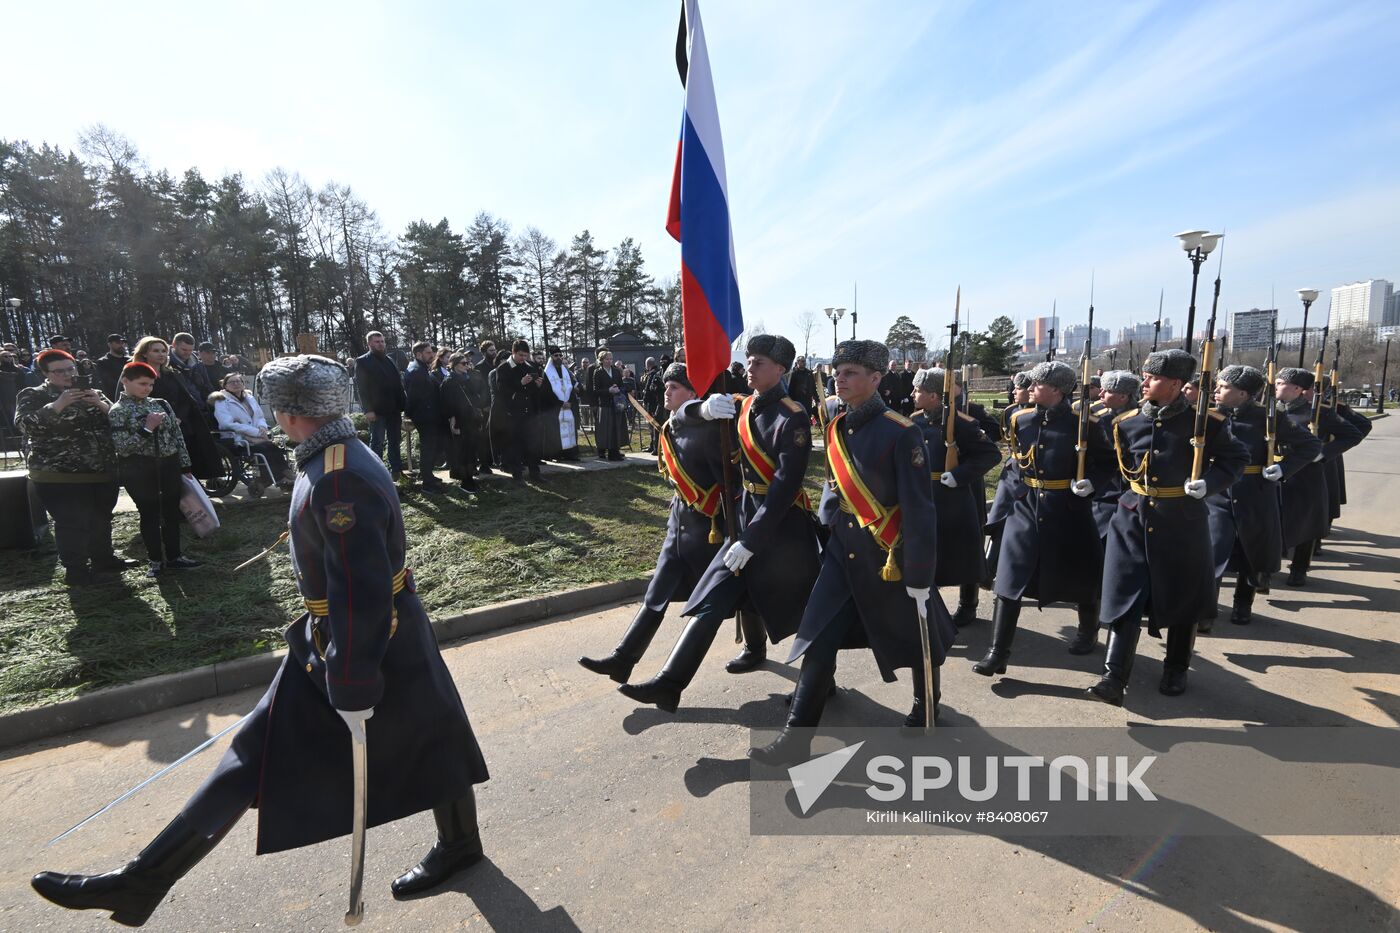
x=152 y=461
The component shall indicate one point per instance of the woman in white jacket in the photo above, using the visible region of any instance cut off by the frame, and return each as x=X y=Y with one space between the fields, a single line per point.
x=240 y=417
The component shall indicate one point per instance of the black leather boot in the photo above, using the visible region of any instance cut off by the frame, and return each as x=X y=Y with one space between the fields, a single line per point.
x=132 y=892
x=1205 y=625
x=458 y=846
x=1004 y=617
x=629 y=651
x=1086 y=639
x=1302 y=560
x=1262 y=581
x=755 y=644
x=916 y=718
x=664 y=690
x=794 y=743
x=967 y=605
x=1243 y=612
x=1118 y=664
x=1180 y=640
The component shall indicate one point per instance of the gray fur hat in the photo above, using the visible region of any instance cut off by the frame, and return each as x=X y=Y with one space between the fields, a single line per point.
x=1120 y=380
x=309 y=386
x=1171 y=364
x=778 y=349
x=1245 y=378
x=676 y=373
x=929 y=380
x=1021 y=380
x=1292 y=375
x=872 y=354
x=1055 y=374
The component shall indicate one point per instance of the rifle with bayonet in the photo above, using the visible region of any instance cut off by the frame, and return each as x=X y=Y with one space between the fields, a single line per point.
x=1157 y=330
x=966 y=392
x=1317 y=379
x=1336 y=367
x=1082 y=448
x=1198 y=440
x=949 y=420
x=1271 y=411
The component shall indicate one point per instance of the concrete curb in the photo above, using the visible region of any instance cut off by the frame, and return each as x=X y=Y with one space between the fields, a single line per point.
x=154 y=694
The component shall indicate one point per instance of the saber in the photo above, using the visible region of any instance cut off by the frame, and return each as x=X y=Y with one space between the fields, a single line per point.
x=359 y=760
x=928 y=664
x=159 y=774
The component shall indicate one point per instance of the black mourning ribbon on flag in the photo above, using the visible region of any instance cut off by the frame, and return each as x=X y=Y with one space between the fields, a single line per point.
x=682 y=59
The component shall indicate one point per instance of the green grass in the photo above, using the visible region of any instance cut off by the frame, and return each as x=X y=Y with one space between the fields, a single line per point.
x=509 y=543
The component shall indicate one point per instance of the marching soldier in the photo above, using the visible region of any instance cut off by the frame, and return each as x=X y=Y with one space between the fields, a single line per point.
x=1118 y=393
x=689 y=457
x=956 y=490
x=772 y=567
x=1335 y=469
x=363 y=663
x=1050 y=544
x=1362 y=424
x=1245 y=520
x=1156 y=561
x=1002 y=499
x=877 y=571
x=1306 y=497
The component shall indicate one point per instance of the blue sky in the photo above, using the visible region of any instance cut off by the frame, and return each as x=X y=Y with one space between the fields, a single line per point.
x=1010 y=148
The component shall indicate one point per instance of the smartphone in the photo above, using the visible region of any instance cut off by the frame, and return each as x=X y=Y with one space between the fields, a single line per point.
x=82 y=382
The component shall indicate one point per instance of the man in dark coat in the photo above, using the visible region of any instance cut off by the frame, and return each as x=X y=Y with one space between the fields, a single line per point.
x=1051 y=549
x=906 y=388
x=1245 y=525
x=890 y=387
x=108 y=368
x=1118 y=393
x=802 y=386
x=773 y=564
x=514 y=407
x=651 y=389
x=878 y=570
x=423 y=405
x=956 y=490
x=380 y=387
x=557 y=395
x=1158 y=559
x=291 y=758
x=1306 y=497
x=689 y=458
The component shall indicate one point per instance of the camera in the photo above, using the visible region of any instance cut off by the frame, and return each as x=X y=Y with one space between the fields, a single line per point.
x=82 y=382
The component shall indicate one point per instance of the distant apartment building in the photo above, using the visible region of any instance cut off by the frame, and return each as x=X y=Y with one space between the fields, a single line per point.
x=1289 y=337
x=1360 y=304
x=1039 y=333
x=1252 y=329
x=1392 y=310
x=1075 y=335
x=1141 y=334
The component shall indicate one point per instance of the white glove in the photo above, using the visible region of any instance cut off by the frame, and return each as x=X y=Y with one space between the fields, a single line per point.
x=1196 y=489
x=355 y=721
x=1273 y=473
x=737 y=556
x=949 y=480
x=1083 y=488
x=1319 y=458
x=918 y=594
x=719 y=405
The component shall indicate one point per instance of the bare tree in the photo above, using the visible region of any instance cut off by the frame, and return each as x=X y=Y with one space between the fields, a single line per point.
x=807 y=326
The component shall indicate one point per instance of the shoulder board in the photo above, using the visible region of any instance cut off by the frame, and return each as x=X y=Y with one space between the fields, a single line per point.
x=335 y=458
x=792 y=405
x=966 y=417
x=1127 y=414
x=899 y=419
x=1216 y=415
x=1021 y=412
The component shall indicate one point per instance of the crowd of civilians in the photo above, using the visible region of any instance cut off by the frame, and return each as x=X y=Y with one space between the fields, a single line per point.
x=172 y=410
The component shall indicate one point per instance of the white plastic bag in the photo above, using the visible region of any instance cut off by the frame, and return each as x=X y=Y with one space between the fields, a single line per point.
x=197 y=509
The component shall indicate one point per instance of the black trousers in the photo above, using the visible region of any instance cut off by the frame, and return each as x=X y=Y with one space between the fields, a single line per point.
x=155 y=485
x=276 y=459
x=522 y=447
x=463 y=462
x=82 y=520
x=432 y=447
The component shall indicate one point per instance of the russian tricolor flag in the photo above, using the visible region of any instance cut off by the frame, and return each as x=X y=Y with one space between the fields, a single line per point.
x=699 y=215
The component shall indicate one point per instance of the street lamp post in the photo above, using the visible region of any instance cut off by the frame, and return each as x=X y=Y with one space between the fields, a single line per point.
x=1309 y=295
x=835 y=315
x=1385 y=368
x=1198 y=245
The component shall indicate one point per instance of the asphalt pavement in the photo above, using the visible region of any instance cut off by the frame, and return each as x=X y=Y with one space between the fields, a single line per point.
x=603 y=816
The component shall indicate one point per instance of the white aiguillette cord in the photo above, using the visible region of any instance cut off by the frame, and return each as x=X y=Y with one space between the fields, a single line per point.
x=267 y=551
